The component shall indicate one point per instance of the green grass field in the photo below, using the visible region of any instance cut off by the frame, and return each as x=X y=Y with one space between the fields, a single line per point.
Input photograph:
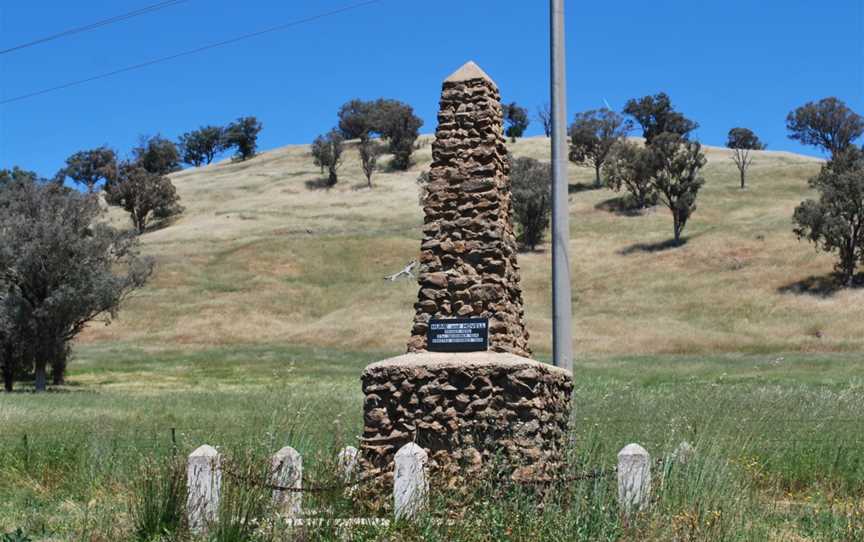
x=781 y=438
x=268 y=301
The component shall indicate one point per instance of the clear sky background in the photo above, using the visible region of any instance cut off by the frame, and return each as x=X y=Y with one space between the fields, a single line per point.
x=731 y=63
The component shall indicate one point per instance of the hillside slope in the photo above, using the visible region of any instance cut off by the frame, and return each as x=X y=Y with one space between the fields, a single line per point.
x=263 y=255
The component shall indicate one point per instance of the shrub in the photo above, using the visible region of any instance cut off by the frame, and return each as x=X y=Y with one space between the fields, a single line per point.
x=628 y=167
x=369 y=151
x=396 y=122
x=158 y=503
x=15 y=536
x=532 y=198
x=327 y=151
x=145 y=195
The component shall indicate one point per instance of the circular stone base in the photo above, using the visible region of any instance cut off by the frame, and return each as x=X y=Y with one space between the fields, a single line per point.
x=465 y=409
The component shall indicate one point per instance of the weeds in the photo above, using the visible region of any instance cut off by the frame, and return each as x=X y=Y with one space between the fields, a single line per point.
x=158 y=500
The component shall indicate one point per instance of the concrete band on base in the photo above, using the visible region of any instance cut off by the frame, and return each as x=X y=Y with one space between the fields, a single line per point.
x=465 y=409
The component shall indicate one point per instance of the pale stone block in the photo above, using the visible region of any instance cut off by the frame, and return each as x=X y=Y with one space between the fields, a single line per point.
x=410 y=482
x=348 y=461
x=634 y=478
x=287 y=472
x=204 y=483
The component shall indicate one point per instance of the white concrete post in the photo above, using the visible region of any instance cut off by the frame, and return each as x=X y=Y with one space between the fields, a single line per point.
x=347 y=462
x=204 y=483
x=634 y=478
x=410 y=482
x=684 y=453
x=287 y=471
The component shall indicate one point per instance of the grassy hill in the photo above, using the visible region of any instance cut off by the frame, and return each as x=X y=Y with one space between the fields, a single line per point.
x=264 y=255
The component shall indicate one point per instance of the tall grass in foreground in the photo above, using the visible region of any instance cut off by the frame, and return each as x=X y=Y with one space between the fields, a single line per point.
x=712 y=497
x=158 y=500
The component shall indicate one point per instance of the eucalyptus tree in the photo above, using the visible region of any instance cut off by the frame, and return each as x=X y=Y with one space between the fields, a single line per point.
x=593 y=134
x=828 y=124
x=743 y=141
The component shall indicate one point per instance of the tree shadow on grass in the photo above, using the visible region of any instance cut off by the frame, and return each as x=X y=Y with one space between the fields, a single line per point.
x=820 y=286
x=575 y=188
x=318 y=184
x=621 y=206
x=660 y=246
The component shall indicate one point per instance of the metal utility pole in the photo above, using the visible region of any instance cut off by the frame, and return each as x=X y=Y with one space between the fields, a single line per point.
x=562 y=343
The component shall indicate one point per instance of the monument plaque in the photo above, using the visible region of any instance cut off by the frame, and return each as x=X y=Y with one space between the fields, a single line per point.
x=458 y=335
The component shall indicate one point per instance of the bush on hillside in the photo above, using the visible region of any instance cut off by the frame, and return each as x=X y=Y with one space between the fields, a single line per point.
x=396 y=122
x=369 y=151
x=628 y=167
x=146 y=196
x=532 y=199
x=327 y=151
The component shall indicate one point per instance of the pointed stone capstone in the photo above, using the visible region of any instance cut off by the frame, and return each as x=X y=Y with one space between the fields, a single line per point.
x=469 y=71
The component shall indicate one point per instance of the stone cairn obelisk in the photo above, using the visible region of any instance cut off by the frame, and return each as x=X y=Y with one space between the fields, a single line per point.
x=466 y=408
x=468 y=256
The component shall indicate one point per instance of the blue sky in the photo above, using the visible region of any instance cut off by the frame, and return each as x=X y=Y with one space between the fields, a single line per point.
x=725 y=64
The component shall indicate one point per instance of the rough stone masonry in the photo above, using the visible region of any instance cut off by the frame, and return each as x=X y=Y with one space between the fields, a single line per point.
x=466 y=409
x=468 y=256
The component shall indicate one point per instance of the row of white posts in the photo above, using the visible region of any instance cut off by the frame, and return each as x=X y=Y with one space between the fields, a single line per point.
x=410 y=480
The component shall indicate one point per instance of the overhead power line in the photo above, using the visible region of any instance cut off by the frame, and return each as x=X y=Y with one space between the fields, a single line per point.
x=191 y=51
x=93 y=26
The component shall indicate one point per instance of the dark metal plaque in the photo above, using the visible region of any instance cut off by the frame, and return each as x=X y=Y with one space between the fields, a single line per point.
x=458 y=335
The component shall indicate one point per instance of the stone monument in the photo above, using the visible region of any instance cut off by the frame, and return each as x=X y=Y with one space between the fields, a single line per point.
x=468 y=254
x=466 y=408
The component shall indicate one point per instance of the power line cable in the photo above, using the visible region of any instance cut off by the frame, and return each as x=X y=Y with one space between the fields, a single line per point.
x=93 y=26
x=191 y=51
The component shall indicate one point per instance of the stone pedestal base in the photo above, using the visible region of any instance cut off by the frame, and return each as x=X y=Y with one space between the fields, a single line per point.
x=465 y=409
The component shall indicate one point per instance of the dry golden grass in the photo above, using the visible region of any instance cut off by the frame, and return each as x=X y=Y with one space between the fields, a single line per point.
x=261 y=256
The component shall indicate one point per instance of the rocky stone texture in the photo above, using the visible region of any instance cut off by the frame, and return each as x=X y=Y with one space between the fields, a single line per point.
x=468 y=255
x=464 y=409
